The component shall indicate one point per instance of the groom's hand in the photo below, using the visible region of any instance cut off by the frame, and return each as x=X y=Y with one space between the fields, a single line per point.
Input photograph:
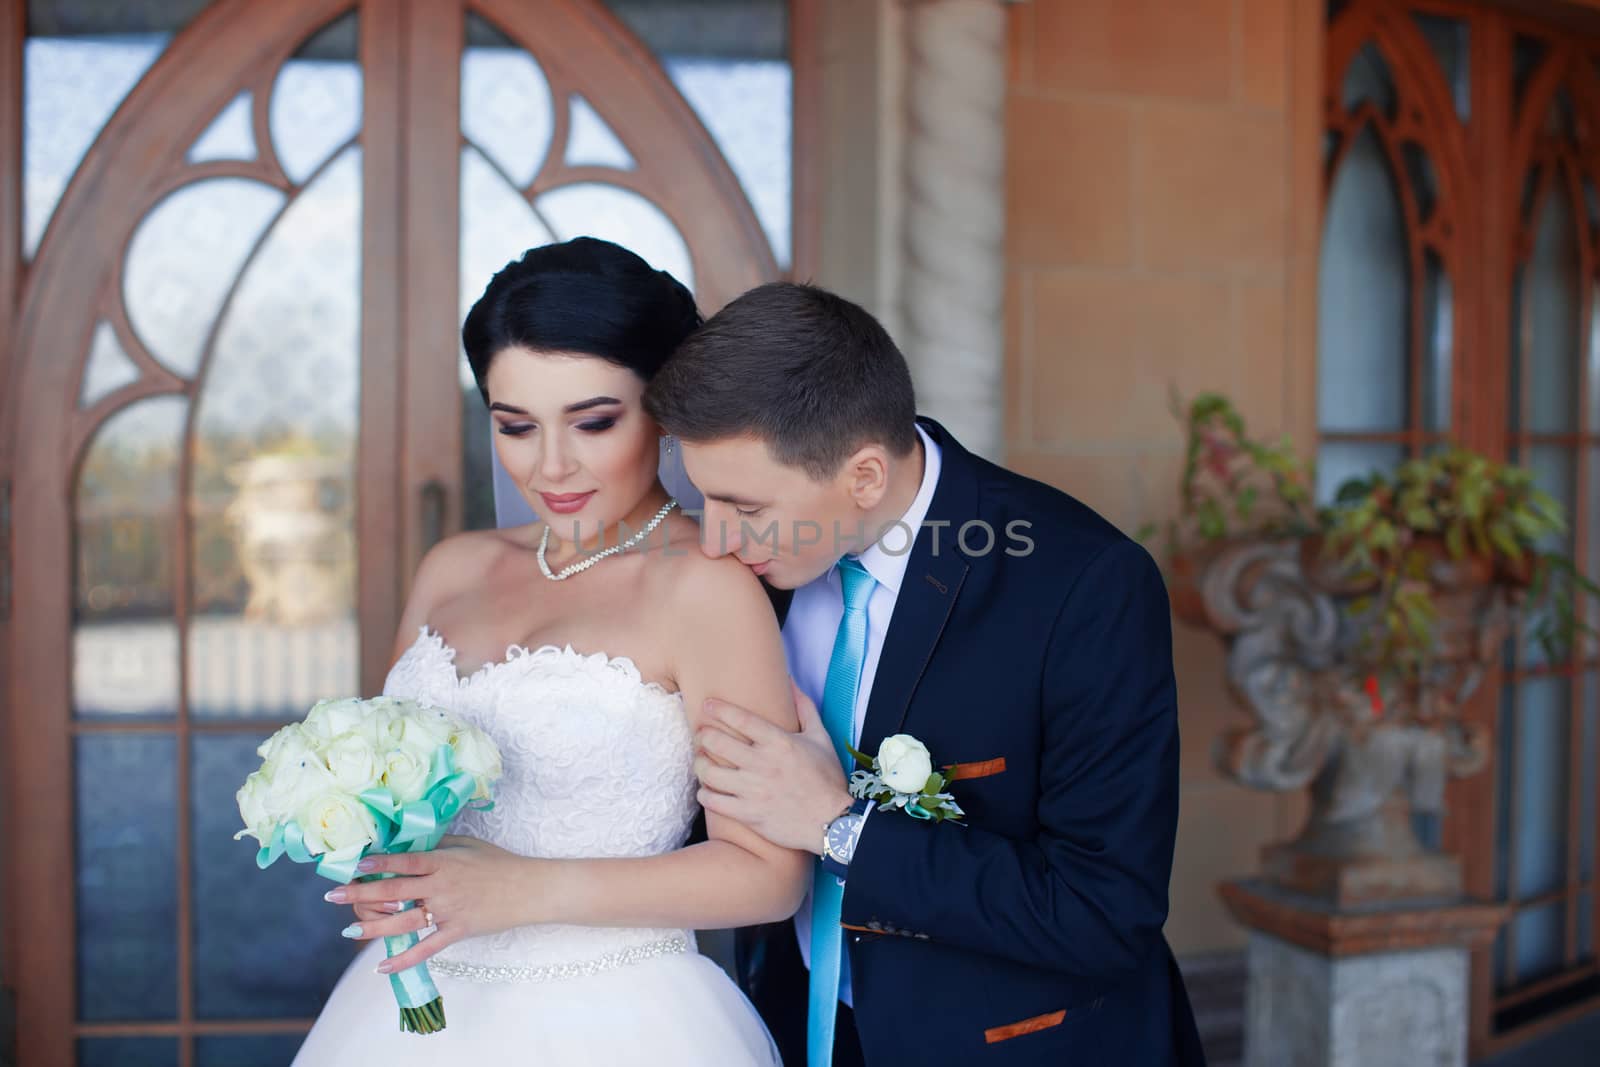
x=786 y=787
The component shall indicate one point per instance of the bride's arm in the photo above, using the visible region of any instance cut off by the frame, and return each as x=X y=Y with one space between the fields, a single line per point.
x=727 y=646
x=730 y=645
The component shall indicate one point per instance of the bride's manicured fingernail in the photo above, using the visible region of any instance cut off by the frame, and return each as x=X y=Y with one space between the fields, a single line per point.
x=334 y=896
x=367 y=865
x=385 y=967
x=352 y=931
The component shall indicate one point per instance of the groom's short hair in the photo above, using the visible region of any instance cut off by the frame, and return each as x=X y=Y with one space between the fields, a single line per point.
x=805 y=370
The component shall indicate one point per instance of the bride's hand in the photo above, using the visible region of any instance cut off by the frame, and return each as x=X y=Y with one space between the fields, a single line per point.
x=469 y=886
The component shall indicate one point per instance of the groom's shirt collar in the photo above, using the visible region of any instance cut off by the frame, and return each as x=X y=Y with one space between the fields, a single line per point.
x=888 y=565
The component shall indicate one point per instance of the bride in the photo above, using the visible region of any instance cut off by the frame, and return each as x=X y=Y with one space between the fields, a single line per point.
x=562 y=919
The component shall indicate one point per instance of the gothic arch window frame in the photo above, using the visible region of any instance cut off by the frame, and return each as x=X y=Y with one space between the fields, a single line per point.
x=1424 y=116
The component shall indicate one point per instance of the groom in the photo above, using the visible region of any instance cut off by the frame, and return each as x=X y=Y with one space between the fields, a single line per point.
x=999 y=622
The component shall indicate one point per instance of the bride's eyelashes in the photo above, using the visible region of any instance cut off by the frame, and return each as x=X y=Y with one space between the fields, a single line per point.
x=521 y=429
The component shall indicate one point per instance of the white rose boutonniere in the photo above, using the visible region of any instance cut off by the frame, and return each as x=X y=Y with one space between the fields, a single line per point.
x=902 y=777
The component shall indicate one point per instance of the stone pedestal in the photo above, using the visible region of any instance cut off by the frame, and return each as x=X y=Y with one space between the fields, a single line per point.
x=1374 y=986
x=1349 y=882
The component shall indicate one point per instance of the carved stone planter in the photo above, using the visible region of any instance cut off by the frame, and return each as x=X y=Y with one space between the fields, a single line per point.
x=1293 y=629
x=1360 y=935
x=292 y=532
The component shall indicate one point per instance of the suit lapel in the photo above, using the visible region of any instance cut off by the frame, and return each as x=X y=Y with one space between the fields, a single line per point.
x=927 y=594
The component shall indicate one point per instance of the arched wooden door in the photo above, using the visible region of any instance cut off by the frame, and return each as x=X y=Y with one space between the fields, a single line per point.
x=235 y=425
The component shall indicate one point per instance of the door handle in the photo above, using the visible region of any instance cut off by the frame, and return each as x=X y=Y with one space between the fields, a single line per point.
x=432 y=501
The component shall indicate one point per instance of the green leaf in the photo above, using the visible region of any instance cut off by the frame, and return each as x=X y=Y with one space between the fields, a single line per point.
x=1480 y=539
x=1383 y=535
x=860 y=757
x=934 y=784
x=1352 y=490
x=1506 y=543
x=1420 y=517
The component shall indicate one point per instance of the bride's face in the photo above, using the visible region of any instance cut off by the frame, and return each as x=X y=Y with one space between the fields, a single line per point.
x=571 y=431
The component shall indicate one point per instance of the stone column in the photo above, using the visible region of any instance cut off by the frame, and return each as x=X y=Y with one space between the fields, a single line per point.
x=952 y=276
x=1377 y=986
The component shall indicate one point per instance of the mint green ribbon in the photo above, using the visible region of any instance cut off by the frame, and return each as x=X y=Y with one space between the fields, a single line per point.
x=412 y=987
x=417 y=826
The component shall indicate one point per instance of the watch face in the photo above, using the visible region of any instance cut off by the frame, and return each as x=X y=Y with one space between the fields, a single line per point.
x=842 y=836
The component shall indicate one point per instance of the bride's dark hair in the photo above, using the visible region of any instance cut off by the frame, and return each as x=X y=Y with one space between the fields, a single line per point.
x=584 y=295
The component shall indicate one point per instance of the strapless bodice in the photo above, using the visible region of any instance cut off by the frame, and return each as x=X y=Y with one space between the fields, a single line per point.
x=598 y=763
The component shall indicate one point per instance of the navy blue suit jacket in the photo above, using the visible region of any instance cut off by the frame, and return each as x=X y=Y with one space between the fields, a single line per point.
x=1031 y=934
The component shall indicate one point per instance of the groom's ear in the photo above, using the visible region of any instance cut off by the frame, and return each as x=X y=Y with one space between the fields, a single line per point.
x=866 y=475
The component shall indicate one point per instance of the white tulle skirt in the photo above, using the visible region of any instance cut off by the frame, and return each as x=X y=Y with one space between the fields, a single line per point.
x=672 y=1010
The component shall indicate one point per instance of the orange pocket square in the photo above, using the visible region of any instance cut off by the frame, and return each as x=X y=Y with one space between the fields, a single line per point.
x=983 y=769
x=1026 y=1026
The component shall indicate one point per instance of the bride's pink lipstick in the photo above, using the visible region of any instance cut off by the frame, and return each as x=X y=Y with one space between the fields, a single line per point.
x=565 y=503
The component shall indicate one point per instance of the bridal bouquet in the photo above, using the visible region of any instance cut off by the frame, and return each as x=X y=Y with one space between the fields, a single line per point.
x=364 y=776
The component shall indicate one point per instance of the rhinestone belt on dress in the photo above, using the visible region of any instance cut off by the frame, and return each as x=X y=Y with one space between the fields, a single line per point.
x=554 y=972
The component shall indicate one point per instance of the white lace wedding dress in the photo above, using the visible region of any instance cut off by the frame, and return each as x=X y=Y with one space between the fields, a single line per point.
x=598 y=763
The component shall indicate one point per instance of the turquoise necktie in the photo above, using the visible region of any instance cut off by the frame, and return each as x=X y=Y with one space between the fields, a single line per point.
x=827 y=892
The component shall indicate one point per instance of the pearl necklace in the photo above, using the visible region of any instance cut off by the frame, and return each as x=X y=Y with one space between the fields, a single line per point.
x=579 y=566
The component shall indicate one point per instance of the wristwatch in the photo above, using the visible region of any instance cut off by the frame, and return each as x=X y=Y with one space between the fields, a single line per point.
x=839 y=839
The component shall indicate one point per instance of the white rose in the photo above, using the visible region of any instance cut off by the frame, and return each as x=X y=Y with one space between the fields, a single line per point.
x=255 y=808
x=295 y=781
x=330 y=718
x=904 y=763
x=288 y=745
x=405 y=774
x=334 y=822
x=381 y=727
x=423 y=730
x=477 y=755
x=351 y=760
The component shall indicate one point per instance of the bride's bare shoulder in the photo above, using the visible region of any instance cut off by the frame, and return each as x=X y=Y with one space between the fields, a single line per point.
x=474 y=549
x=463 y=560
x=694 y=584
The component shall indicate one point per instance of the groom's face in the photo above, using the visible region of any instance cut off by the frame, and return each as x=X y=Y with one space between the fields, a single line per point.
x=776 y=519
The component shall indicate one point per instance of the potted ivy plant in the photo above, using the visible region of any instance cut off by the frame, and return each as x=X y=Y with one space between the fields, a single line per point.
x=1356 y=631
x=1400 y=544
x=1232 y=487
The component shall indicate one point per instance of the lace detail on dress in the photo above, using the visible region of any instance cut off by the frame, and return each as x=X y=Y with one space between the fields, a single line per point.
x=598 y=763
